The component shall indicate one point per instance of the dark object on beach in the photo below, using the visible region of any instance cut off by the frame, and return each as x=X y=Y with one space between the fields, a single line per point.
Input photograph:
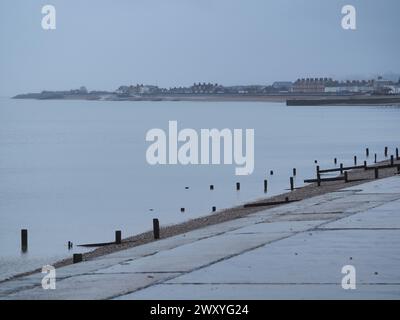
x=346 y=178
x=386 y=151
x=397 y=154
x=318 y=177
x=375 y=158
x=267 y=204
x=212 y=187
x=355 y=160
x=214 y=209
x=291 y=184
x=97 y=244
x=70 y=245
x=335 y=161
x=24 y=240
x=77 y=257
x=271 y=172
x=186 y=188
x=156 y=229
x=367 y=152
x=265 y=186
x=294 y=172
x=182 y=209
x=323 y=179
x=392 y=160
x=118 y=237
x=237 y=186
x=315 y=161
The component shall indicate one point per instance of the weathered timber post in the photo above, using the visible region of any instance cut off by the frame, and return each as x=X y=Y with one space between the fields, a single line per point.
x=156 y=229
x=24 y=240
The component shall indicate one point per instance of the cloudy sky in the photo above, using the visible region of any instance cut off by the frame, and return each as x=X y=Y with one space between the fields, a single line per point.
x=105 y=43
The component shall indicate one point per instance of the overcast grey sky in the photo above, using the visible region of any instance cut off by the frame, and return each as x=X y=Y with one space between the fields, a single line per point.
x=105 y=43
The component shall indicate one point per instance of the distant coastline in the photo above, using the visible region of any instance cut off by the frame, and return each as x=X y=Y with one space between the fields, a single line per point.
x=289 y=99
x=306 y=91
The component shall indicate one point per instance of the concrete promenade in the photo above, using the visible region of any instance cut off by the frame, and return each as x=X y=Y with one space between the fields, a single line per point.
x=294 y=251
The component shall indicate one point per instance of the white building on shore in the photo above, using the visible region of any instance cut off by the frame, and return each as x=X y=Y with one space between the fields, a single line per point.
x=354 y=86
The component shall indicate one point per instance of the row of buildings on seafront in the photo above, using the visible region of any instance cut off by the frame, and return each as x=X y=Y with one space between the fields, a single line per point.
x=328 y=85
x=300 y=86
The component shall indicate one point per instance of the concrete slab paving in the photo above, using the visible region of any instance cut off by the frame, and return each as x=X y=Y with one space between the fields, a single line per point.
x=91 y=286
x=197 y=254
x=298 y=259
x=279 y=227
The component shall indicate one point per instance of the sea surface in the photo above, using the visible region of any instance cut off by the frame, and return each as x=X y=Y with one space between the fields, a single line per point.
x=77 y=171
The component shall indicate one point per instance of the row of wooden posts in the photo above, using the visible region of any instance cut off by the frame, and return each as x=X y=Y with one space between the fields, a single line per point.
x=78 y=257
x=343 y=170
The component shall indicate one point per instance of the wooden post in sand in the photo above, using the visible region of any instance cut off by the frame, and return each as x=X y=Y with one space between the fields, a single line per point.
x=265 y=186
x=291 y=184
x=392 y=160
x=346 y=177
x=386 y=151
x=365 y=165
x=397 y=154
x=367 y=152
x=214 y=209
x=212 y=187
x=156 y=229
x=118 y=237
x=24 y=240
x=375 y=158
x=237 y=186
x=335 y=161
x=341 y=168
x=294 y=172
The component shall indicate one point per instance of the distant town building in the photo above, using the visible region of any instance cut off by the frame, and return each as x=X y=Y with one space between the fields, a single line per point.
x=139 y=89
x=83 y=90
x=206 y=88
x=354 y=86
x=382 y=83
x=282 y=86
x=311 y=85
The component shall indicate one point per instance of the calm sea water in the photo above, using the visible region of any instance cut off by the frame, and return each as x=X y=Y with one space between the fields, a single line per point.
x=76 y=170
